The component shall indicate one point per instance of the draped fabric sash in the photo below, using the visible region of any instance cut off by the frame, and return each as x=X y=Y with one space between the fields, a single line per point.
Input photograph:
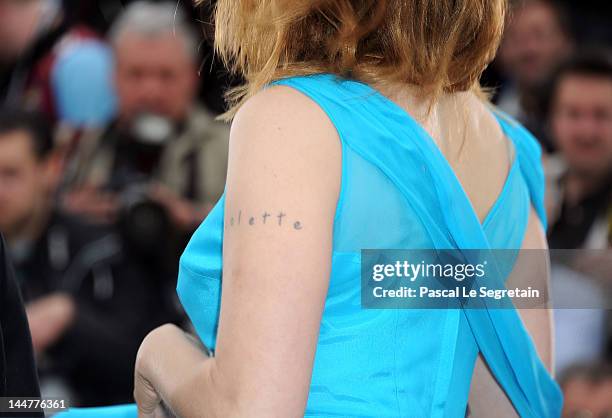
x=409 y=157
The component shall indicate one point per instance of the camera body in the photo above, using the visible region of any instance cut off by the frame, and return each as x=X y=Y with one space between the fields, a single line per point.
x=143 y=222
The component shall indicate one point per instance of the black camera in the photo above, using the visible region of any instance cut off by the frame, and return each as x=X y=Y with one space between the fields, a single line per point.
x=144 y=223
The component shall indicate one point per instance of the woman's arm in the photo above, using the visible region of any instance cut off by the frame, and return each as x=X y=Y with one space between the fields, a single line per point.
x=282 y=190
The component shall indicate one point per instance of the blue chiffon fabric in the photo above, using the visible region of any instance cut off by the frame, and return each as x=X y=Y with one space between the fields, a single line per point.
x=398 y=192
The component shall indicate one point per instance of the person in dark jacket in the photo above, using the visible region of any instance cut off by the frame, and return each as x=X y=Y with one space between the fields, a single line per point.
x=89 y=299
x=18 y=376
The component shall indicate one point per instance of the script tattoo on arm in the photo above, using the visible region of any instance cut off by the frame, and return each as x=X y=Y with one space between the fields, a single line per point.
x=278 y=219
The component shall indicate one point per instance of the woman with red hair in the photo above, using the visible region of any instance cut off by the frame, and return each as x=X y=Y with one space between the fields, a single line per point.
x=361 y=125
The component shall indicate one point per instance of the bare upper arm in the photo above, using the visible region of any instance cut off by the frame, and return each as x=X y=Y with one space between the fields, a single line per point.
x=282 y=190
x=533 y=269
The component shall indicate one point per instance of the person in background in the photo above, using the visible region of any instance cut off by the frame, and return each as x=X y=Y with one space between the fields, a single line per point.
x=57 y=68
x=163 y=148
x=580 y=183
x=579 y=201
x=18 y=376
x=537 y=39
x=586 y=390
x=89 y=299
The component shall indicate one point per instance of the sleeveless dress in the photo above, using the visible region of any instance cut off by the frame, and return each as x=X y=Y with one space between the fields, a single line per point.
x=397 y=192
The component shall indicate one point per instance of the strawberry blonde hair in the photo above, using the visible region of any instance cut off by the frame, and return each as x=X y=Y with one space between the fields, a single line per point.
x=437 y=45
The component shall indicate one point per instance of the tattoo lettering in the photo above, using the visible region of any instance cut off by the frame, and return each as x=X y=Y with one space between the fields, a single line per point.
x=255 y=220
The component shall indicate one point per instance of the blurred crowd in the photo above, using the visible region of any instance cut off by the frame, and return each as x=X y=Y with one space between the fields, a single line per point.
x=110 y=157
x=109 y=160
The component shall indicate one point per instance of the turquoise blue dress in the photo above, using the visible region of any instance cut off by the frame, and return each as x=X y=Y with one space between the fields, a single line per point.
x=397 y=192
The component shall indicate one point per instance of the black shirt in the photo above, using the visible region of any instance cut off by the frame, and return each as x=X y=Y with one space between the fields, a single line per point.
x=118 y=299
x=575 y=221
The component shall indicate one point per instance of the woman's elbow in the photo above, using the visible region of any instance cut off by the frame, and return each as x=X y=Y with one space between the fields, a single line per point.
x=237 y=398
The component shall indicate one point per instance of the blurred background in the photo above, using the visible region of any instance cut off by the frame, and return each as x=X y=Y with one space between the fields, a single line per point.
x=110 y=157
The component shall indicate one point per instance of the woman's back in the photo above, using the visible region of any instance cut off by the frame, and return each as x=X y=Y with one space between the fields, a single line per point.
x=481 y=155
x=322 y=168
x=397 y=192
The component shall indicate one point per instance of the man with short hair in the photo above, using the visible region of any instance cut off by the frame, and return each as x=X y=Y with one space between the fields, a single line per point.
x=579 y=200
x=163 y=143
x=89 y=300
x=581 y=124
x=537 y=39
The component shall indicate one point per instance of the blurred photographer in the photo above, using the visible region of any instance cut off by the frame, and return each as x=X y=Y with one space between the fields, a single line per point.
x=160 y=167
x=89 y=299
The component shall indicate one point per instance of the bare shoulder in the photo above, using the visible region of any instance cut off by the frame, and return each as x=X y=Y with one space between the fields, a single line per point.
x=282 y=107
x=281 y=110
x=284 y=128
x=284 y=147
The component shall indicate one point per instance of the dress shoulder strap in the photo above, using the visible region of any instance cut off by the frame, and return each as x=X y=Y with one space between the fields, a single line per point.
x=529 y=154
